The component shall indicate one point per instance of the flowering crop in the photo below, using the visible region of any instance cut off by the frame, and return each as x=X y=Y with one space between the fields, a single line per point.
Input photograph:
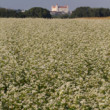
x=54 y=64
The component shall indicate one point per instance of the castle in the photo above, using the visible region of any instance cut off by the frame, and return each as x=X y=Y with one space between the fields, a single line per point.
x=60 y=9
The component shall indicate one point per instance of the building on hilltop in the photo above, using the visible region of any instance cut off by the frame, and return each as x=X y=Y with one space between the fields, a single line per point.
x=19 y=10
x=59 y=9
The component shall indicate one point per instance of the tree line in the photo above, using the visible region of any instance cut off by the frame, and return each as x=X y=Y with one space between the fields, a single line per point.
x=33 y=12
x=44 y=13
x=90 y=12
x=87 y=12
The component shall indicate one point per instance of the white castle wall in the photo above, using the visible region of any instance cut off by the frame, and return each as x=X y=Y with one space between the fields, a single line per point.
x=60 y=9
x=63 y=10
x=55 y=8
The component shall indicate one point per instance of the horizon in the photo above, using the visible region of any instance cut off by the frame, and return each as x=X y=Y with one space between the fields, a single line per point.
x=51 y=6
x=25 y=5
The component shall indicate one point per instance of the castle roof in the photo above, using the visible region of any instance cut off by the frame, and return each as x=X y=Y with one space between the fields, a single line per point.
x=62 y=7
x=53 y=6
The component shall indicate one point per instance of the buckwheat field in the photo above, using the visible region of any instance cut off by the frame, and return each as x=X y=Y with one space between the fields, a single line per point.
x=54 y=64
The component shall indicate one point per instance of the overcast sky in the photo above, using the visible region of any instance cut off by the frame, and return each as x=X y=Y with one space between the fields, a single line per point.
x=26 y=4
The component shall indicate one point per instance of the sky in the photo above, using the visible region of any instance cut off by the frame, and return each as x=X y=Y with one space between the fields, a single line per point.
x=73 y=4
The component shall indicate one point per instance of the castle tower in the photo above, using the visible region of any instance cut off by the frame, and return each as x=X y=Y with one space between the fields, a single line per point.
x=55 y=8
x=62 y=9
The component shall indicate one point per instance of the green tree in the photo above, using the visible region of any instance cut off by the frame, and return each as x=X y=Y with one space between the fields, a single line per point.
x=90 y=12
x=38 y=12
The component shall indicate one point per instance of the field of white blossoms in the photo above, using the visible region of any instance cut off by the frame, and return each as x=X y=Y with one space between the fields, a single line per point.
x=54 y=64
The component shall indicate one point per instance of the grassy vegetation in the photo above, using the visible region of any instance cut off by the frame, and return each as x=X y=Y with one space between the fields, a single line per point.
x=94 y=18
x=54 y=64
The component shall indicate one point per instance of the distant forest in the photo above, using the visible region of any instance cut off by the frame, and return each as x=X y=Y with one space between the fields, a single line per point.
x=90 y=12
x=44 y=13
x=33 y=12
